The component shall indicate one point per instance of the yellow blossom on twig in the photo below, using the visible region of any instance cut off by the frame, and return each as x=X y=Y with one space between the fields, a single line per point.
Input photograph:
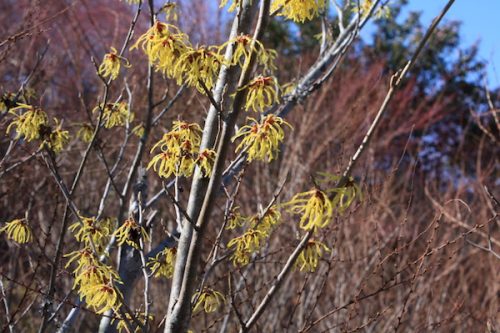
x=111 y=63
x=130 y=232
x=298 y=10
x=163 y=263
x=18 y=230
x=209 y=300
x=262 y=141
x=315 y=208
x=309 y=257
x=29 y=122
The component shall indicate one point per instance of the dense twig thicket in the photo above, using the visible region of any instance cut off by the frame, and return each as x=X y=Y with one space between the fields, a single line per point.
x=244 y=166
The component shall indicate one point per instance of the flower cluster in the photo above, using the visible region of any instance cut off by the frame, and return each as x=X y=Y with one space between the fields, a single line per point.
x=170 y=11
x=244 y=246
x=209 y=300
x=163 y=263
x=206 y=161
x=261 y=140
x=261 y=92
x=309 y=257
x=18 y=230
x=125 y=321
x=298 y=10
x=130 y=232
x=111 y=63
x=28 y=123
x=95 y=281
x=85 y=132
x=171 y=52
x=179 y=152
x=315 y=208
x=259 y=229
x=54 y=138
x=92 y=231
x=244 y=46
x=115 y=114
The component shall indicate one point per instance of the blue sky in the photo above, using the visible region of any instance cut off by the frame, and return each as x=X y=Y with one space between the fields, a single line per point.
x=480 y=22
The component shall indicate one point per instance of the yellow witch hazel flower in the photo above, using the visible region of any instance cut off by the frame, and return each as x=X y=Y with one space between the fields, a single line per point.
x=200 y=64
x=343 y=196
x=91 y=229
x=298 y=10
x=28 y=123
x=205 y=161
x=111 y=64
x=138 y=130
x=115 y=114
x=245 y=245
x=179 y=148
x=314 y=206
x=125 y=321
x=163 y=263
x=129 y=232
x=163 y=44
x=309 y=257
x=102 y=296
x=262 y=140
x=170 y=10
x=244 y=45
x=235 y=219
x=56 y=138
x=266 y=223
x=261 y=92
x=85 y=132
x=94 y=281
x=18 y=230
x=209 y=300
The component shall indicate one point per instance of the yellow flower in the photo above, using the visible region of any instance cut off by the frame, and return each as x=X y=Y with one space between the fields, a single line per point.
x=85 y=132
x=164 y=164
x=84 y=257
x=18 y=230
x=343 y=196
x=55 y=139
x=28 y=123
x=111 y=64
x=126 y=321
x=129 y=232
x=205 y=161
x=266 y=223
x=314 y=206
x=261 y=93
x=98 y=231
x=163 y=44
x=298 y=10
x=170 y=10
x=115 y=114
x=235 y=220
x=262 y=140
x=163 y=263
x=208 y=299
x=243 y=48
x=102 y=297
x=201 y=64
x=179 y=148
x=245 y=245
x=139 y=130
x=309 y=257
